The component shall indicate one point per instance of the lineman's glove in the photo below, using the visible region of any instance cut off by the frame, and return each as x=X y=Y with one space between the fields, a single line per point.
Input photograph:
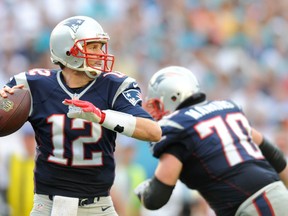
x=85 y=110
x=140 y=189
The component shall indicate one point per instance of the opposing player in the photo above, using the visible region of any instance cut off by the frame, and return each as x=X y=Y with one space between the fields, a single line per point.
x=76 y=113
x=210 y=146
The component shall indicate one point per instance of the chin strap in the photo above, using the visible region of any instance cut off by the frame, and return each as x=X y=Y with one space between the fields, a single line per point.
x=90 y=74
x=113 y=120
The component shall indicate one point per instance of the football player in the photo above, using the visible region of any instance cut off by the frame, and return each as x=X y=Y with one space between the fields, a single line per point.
x=210 y=146
x=76 y=112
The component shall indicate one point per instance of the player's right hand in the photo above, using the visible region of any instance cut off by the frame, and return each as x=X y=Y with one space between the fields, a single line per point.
x=84 y=110
x=7 y=89
x=140 y=189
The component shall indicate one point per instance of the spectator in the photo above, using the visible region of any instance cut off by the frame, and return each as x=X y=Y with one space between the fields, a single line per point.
x=21 y=168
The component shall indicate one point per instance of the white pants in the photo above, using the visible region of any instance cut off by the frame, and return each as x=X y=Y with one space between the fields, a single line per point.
x=104 y=207
x=270 y=200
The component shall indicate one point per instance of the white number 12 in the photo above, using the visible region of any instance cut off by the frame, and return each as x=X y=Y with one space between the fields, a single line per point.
x=77 y=146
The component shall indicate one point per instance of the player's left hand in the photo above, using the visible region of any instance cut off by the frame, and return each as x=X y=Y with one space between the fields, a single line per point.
x=85 y=110
x=7 y=89
x=140 y=189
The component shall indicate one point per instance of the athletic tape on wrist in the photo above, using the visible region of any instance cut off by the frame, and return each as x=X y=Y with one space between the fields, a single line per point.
x=119 y=122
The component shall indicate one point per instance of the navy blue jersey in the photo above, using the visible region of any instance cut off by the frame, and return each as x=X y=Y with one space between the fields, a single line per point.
x=75 y=157
x=220 y=160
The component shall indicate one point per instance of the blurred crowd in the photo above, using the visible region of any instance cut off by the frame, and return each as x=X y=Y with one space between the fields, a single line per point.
x=237 y=48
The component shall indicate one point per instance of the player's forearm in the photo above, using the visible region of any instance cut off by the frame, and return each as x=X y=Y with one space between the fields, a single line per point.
x=257 y=137
x=136 y=127
x=147 y=130
x=284 y=176
x=270 y=151
x=127 y=124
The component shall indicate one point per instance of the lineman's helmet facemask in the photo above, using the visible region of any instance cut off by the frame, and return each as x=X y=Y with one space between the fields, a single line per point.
x=168 y=88
x=68 y=42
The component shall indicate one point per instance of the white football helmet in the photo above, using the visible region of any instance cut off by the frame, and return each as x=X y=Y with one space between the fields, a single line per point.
x=68 y=43
x=169 y=87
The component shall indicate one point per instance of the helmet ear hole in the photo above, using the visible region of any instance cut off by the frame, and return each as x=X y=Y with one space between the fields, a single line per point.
x=173 y=98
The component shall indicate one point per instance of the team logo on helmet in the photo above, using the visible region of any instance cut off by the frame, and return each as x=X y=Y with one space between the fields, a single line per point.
x=161 y=77
x=74 y=24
